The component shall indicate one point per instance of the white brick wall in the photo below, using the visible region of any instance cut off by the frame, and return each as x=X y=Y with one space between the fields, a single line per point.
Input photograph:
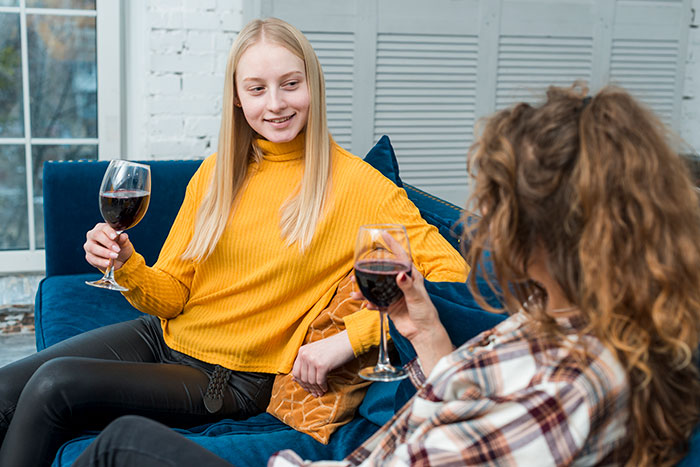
x=187 y=47
x=690 y=111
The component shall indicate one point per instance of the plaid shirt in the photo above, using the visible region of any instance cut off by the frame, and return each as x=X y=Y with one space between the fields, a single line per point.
x=506 y=397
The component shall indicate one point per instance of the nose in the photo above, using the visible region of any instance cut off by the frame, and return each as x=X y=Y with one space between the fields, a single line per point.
x=275 y=101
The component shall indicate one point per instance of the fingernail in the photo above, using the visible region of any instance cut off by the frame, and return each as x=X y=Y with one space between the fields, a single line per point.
x=112 y=236
x=115 y=248
x=113 y=255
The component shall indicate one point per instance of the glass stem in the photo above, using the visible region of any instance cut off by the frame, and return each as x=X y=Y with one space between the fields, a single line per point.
x=383 y=345
x=109 y=272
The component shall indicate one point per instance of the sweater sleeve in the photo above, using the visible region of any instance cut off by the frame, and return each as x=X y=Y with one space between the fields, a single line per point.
x=164 y=288
x=432 y=255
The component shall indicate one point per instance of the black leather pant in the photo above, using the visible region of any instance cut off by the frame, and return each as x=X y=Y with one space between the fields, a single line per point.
x=87 y=381
x=133 y=441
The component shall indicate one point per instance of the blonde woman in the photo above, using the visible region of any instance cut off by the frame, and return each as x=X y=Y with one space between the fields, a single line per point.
x=592 y=224
x=264 y=235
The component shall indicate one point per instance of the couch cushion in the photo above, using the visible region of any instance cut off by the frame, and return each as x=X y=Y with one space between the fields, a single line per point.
x=65 y=307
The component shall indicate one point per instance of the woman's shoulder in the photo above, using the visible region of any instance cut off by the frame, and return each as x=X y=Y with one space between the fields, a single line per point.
x=208 y=164
x=203 y=175
x=352 y=168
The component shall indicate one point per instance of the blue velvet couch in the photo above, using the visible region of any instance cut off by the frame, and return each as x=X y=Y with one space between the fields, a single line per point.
x=65 y=306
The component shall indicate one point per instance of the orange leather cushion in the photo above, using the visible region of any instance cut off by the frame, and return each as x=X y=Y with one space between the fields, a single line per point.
x=321 y=416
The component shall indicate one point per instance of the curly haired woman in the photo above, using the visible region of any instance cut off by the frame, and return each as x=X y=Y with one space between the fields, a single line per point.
x=592 y=225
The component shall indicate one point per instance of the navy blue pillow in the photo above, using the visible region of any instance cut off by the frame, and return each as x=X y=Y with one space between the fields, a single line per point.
x=438 y=212
x=382 y=158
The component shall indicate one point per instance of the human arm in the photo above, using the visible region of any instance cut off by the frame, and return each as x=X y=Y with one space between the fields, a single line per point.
x=164 y=288
x=316 y=359
x=416 y=318
x=433 y=256
x=151 y=290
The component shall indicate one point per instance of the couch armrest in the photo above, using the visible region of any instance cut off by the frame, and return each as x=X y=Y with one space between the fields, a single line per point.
x=71 y=208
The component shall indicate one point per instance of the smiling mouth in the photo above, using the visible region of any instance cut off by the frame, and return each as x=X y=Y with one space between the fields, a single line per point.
x=279 y=120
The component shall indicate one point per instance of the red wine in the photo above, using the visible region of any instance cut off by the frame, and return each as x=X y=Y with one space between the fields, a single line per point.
x=377 y=280
x=123 y=209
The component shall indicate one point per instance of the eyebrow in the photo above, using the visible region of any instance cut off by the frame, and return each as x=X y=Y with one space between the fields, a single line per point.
x=282 y=78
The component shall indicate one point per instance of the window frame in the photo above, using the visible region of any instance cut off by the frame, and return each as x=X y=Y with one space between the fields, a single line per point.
x=109 y=112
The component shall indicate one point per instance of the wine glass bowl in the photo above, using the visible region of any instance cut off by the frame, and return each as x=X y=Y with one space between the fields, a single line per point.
x=124 y=197
x=382 y=252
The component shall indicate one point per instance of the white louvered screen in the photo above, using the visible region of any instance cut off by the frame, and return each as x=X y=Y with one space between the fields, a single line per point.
x=648 y=53
x=648 y=70
x=336 y=52
x=424 y=100
x=528 y=65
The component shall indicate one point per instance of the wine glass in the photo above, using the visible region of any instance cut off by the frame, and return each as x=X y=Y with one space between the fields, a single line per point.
x=381 y=253
x=124 y=196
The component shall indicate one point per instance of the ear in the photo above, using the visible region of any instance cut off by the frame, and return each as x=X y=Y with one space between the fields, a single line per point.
x=236 y=102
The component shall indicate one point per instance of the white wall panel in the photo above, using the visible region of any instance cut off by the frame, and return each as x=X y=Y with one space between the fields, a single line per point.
x=528 y=65
x=425 y=93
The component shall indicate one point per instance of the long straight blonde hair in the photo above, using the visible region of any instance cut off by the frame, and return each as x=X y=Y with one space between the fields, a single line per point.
x=300 y=215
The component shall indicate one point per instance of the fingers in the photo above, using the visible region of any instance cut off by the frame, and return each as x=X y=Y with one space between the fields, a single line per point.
x=309 y=375
x=122 y=239
x=100 y=247
x=397 y=248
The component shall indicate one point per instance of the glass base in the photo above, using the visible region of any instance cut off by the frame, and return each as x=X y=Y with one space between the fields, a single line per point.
x=107 y=284
x=383 y=373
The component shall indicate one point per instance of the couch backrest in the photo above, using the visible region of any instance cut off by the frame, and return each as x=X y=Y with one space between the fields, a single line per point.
x=71 y=208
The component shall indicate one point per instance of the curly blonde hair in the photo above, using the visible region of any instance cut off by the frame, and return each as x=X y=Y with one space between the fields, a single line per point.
x=595 y=183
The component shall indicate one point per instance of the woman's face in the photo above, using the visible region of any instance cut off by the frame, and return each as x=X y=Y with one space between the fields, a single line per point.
x=272 y=91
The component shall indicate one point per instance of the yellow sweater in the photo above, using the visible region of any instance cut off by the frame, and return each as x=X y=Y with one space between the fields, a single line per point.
x=249 y=305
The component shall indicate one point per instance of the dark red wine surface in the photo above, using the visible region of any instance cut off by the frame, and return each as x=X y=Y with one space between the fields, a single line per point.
x=123 y=209
x=377 y=281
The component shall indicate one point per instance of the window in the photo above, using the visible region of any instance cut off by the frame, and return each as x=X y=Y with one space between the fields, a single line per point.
x=50 y=106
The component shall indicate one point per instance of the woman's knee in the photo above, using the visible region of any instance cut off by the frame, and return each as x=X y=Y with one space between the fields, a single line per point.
x=55 y=385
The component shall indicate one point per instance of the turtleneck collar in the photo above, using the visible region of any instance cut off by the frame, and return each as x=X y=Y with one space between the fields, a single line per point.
x=280 y=152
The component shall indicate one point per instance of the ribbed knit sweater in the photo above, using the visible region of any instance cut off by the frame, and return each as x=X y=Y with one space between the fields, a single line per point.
x=249 y=305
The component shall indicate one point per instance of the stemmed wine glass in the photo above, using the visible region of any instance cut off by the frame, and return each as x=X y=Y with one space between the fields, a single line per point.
x=124 y=196
x=381 y=253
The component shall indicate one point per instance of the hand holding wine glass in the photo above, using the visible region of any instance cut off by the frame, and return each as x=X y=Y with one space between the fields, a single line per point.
x=124 y=197
x=381 y=253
